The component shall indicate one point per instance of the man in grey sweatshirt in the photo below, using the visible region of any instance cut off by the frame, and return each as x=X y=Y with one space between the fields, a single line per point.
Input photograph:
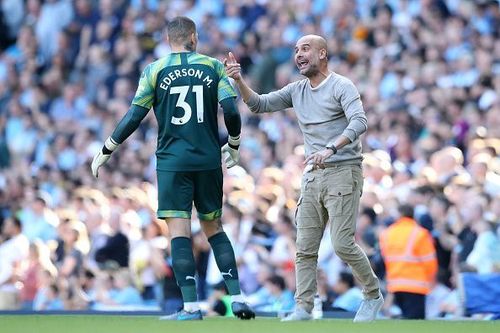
x=331 y=117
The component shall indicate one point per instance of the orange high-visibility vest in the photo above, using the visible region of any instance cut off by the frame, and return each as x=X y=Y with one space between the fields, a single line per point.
x=409 y=256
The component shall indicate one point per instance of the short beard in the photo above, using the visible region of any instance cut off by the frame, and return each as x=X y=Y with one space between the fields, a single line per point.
x=312 y=71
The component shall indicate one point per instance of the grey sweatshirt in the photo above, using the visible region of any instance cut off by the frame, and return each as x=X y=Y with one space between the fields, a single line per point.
x=331 y=109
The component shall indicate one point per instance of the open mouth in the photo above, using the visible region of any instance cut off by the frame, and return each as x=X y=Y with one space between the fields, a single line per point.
x=302 y=63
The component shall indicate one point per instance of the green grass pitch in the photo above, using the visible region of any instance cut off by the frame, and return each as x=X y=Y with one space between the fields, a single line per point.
x=150 y=324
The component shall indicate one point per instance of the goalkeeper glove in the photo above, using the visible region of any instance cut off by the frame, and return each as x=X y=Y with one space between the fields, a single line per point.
x=103 y=155
x=230 y=151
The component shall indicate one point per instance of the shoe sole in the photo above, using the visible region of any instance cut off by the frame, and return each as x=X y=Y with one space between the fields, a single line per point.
x=301 y=319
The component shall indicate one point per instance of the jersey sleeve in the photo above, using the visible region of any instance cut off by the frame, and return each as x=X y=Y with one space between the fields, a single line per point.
x=224 y=89
x=144 y=95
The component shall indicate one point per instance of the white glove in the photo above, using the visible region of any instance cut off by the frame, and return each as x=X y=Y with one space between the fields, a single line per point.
x=100 y=158
x=231 y=155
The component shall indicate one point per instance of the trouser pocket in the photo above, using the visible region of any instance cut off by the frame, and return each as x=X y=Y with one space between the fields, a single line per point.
x=340 y=200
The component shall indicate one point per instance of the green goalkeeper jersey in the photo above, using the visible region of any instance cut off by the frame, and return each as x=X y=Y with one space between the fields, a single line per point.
x=184 y=90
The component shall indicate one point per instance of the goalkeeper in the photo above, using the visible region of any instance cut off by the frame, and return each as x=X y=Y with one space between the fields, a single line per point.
x=184 y=89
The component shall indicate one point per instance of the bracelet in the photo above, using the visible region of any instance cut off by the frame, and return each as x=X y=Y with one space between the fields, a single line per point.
x=333 y=148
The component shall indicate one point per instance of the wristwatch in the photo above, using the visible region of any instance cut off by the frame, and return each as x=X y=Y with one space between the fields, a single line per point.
x=332 y=147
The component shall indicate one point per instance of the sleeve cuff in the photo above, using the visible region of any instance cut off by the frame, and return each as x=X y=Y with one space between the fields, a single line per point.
x=110 y=144
x=253 y=102
x=234 y=140
x=350 y=134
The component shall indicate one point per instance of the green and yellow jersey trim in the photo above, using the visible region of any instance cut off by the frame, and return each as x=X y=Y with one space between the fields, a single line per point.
x=145 y=93
x=180 y=214
x=210 y=216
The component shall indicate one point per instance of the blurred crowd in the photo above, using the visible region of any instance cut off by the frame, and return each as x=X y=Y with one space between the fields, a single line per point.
x=427 y=71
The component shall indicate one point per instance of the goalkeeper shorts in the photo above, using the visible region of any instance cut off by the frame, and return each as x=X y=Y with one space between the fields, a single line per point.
x=177 y=190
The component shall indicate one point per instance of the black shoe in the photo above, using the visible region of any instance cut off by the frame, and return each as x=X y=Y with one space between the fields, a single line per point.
x=242 y=311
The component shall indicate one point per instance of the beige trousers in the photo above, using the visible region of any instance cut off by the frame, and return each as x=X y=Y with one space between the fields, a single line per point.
x=330 y=195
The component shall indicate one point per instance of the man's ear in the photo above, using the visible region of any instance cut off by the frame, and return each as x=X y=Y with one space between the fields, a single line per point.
x=193 y=38
x=322 y=54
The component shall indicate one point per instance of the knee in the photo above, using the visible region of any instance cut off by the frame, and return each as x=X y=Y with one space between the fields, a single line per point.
x=343 y=249
x=302 y=256
x=211 y=228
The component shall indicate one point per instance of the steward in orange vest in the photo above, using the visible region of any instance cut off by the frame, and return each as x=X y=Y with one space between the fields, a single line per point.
x=410 y=261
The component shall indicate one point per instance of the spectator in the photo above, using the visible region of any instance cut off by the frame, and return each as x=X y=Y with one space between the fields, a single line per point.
x=70 y=251
x=280 y=299
x=485 y=256
x=13 y=251
x=126 y=293
x=283 y=250
x=348 y=295
x=115 y=252
x=47 y=290
x=52 y=300
x=146 y=260
x=38 y=261
x=411 y=264
x=39 y=221
x=444 y=239
x=47 y=28
x=123 y=293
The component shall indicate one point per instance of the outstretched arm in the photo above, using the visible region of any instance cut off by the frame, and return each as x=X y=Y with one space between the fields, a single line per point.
x=127 y=125
x=274 y=101
x=233 y=70
x=140 y=107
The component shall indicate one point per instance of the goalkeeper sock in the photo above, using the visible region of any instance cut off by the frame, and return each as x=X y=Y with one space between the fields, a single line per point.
x=224 y=257
x=237 y=298
x=184 y=267
x=191 y=306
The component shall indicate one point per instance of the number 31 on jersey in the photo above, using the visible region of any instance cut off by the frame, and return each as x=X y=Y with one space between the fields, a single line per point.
x=182 y=91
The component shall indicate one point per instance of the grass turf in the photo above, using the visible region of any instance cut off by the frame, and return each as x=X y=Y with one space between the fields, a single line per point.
x=149 y=324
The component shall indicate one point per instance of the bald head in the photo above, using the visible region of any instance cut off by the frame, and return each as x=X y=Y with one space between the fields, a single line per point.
x=314 y=40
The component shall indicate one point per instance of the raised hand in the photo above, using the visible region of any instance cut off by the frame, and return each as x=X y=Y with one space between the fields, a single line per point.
x=232 y=67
